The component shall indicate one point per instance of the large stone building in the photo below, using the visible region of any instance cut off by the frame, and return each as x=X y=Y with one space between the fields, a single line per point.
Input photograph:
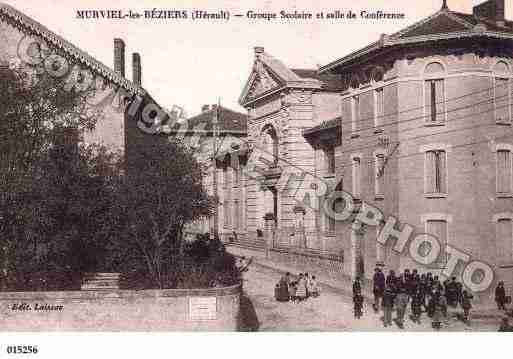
x=417 y=123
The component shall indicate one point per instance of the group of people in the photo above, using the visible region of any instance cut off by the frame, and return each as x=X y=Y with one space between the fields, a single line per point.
x=296 y=289
x=424 y=292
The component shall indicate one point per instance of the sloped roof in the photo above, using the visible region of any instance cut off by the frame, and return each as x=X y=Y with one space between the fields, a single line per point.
x=443 y=22
x=329 y=82
x=229 y=122
x=34 y=27
x=442 y=25
x=323 y=126
x=490 y=24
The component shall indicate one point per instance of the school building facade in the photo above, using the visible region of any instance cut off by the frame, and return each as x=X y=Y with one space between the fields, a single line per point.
x=418 y=124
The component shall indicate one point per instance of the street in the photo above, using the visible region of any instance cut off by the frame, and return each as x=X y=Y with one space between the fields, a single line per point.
x=332 y=311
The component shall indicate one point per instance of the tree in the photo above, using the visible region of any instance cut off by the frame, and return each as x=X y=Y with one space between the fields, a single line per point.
x=39 y=125
x=156 y=199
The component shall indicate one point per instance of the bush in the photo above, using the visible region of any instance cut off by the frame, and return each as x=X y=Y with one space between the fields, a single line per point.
x=204 y=264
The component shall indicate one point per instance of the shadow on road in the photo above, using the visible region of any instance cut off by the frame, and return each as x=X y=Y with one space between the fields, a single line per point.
x=248 y=320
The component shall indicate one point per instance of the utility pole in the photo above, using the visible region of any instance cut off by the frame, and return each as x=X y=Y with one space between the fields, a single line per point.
x=215 y=135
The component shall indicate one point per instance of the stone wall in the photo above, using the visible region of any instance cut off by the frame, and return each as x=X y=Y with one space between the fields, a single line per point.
x=122 y=310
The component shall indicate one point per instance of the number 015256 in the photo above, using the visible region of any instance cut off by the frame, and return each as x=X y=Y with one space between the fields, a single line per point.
x=22 y=349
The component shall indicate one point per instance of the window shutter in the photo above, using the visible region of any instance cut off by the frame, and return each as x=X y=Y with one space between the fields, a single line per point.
x=356 y=112
x=440 y=100
x=442 y=172
x=428 y=101
x=380 y=174
x=503 y=171
x=502 y=100
x=356 y=177
x=380 y=106
x=430 y=172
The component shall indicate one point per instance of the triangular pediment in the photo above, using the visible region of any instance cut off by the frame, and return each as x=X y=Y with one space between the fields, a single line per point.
x=268 y=75
x=442 y=22
x=263 y=81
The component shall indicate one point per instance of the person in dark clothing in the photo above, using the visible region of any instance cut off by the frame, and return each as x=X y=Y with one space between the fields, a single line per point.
x=505 y=327
x=388 y=305
x=390 y=279
x=406 y=276
x=358 y=305
x=357 y=286
x=401 y=302
x=451 y=292
x=413 y=284
x=423 y=290
x=459 y=292
x=466 y=304
x=378 y=288
x=500 y=296
x=432 y=302
x=437 y=311
x=416 y=306
x=437 y=286
x=429 y=285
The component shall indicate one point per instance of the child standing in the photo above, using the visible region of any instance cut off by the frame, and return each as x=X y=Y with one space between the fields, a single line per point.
x=301 y=288
x=358 y=304
x=292 y=292
x=313 y=288
x=466 y=305
x=416 y=307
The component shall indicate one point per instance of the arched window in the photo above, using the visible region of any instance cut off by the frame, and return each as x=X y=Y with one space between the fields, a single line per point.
x=434 y=93
x=434 y=68
x=270 y=144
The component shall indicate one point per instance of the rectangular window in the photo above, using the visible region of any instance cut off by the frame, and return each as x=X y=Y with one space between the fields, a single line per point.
x=357 y=168
x=226 y=213
x=504 y=174
x=236 y=215
x=355 y=112
x=435 y=101
x=438 y=228
x=236 y=172
x=436 y=172
x=331 y=224
x=505 y=238
x=329 y=159
x=379 y=107
x=225 y=177
x=380 y=175
x=502 y=100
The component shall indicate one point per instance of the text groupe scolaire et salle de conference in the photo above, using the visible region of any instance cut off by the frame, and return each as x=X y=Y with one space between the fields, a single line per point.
x=332 y=14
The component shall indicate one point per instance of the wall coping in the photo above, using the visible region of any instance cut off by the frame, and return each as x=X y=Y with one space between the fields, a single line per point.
x=122 y=293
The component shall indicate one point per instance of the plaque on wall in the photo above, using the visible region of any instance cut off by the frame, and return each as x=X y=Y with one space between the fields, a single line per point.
x=202 y=308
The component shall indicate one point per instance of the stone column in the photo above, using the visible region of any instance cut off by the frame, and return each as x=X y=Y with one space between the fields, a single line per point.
x=299 y=235
x=270 y=226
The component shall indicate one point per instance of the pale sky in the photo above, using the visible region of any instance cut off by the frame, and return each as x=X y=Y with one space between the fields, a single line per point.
x=191 y=63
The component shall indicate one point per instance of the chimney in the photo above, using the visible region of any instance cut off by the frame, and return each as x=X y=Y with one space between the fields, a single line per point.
x=205 y=108
x=119 y=56
x=136 y=68
x=491 y=9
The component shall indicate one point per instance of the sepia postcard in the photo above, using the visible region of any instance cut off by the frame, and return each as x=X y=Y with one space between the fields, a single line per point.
x=229 y=166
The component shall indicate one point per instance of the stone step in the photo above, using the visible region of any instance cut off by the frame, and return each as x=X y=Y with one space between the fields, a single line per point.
x=249 y=243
